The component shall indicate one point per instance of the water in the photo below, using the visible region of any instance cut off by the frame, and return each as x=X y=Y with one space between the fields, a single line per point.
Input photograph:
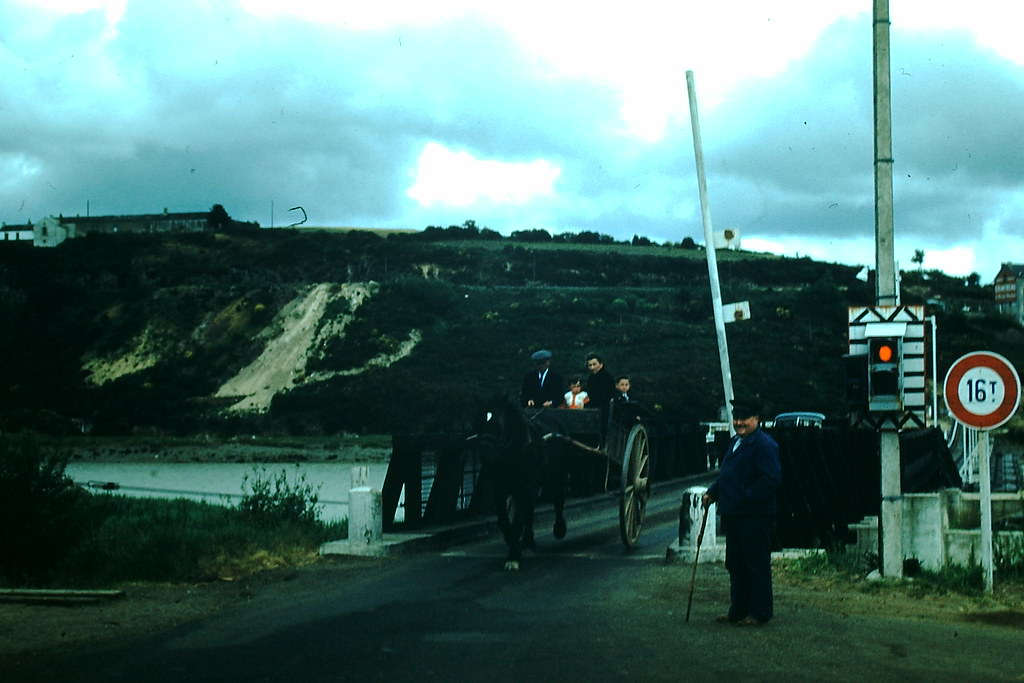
x=221 y=483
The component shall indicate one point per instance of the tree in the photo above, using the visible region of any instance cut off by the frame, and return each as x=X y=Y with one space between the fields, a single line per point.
x=918 y=258
x=536 y=235
x=219 y=218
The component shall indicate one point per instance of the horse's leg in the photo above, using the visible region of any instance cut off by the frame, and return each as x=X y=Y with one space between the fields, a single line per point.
x=512 y=512
x=506 y=505
x=558 y=483
x=528 y=507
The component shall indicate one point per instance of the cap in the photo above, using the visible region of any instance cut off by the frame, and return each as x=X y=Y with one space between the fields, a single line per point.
x=742 y=408
x=543 y=354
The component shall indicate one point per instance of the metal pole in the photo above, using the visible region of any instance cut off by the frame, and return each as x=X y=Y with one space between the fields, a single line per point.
x=986 y=509
x=891 y=519
x=709 y=248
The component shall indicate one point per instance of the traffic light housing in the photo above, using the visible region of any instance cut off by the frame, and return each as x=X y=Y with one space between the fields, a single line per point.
x=885 y=374
x=855 y=371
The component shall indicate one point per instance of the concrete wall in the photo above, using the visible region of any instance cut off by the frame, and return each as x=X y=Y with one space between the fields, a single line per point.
x=944 y=528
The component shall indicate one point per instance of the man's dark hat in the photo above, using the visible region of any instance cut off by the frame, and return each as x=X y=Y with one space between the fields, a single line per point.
x=743 y=408
x=543 y=354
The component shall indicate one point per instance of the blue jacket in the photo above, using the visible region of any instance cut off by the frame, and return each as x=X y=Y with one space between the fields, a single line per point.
x=749 y=476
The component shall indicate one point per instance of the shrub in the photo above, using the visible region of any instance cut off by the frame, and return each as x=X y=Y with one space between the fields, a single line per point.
x=1009 y=555
x=39 y=509
x=146 y=539
x=274 y=500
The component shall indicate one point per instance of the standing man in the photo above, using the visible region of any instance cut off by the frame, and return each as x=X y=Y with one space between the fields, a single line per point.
x=542 y=387
x=748 y=478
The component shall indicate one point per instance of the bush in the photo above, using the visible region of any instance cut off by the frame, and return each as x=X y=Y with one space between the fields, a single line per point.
x=139 y=539
x=145 y=539
x=40 y=509
x=271 y=501
x=1009 y=556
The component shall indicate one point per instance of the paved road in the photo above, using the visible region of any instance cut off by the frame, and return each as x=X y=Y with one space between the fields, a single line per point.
x=582 y=609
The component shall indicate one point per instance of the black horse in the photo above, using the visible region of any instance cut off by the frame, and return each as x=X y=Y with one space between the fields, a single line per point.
x=520 y=458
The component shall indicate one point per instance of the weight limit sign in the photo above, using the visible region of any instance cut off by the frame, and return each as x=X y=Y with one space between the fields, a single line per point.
x=982 y=390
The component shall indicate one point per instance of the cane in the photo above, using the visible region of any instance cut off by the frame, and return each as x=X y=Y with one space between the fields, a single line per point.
x=696 y=556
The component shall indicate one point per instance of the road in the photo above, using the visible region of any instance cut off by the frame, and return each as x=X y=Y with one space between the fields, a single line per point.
x=581 y=609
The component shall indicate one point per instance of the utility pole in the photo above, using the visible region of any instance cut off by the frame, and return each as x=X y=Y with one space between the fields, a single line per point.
x=886 y=290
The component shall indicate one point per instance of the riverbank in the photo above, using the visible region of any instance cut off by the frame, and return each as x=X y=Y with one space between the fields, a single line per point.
x=127 y=449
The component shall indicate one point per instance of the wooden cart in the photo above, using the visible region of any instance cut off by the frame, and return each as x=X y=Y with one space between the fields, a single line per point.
x=624 y=446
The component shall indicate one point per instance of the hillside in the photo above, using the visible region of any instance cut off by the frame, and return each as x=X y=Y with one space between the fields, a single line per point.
x=308 y=333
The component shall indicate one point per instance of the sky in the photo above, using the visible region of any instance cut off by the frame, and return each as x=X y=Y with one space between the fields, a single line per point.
x=562 y=116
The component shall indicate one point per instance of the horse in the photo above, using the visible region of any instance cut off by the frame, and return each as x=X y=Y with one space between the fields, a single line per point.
x=519 y=462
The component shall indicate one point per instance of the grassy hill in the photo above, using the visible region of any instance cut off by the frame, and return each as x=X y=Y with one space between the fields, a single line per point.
x=139 y=334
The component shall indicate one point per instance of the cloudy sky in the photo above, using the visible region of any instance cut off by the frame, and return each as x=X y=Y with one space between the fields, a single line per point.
x=557 y=115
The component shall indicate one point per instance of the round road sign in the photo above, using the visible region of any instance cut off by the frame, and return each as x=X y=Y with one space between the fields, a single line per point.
x=982 y=390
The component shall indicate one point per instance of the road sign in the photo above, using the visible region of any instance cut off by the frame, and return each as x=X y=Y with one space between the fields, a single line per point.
x=982 y=390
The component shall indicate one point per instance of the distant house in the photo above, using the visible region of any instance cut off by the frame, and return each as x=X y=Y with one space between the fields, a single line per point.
x=1010 y=291
x=16 y=233
x=51 y=231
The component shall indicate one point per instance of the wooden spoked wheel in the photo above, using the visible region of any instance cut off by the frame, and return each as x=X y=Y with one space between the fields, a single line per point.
x=635 y=487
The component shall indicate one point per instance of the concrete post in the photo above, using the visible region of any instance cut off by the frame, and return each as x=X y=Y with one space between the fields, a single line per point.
x=365 y=511
x=891 y=520
x=365 y=517
x=691 y=515
x=360 y=476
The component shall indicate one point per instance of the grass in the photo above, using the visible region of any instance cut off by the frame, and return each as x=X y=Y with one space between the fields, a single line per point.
x=137 y=539
x=849 y=569
x=56 y=534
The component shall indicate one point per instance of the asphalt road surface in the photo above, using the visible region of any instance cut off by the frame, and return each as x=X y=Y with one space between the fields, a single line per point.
x=581 y=609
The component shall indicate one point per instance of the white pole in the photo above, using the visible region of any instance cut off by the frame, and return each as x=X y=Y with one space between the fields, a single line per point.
x=986 y=509
x=887 y=292
x=709 y=248
x=935 y=371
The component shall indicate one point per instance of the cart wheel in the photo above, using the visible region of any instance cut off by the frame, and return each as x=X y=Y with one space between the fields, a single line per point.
x=635 y=489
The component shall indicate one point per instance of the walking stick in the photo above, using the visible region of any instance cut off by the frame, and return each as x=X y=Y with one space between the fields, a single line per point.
x=696 y=556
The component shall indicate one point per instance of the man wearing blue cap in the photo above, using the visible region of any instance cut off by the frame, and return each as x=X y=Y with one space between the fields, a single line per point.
x=749 y=476
x=542 y=387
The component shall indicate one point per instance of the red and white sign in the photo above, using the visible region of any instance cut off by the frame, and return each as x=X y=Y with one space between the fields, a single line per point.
x=982 y=390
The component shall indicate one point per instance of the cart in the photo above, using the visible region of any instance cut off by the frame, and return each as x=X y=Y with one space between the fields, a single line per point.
x=624 y=446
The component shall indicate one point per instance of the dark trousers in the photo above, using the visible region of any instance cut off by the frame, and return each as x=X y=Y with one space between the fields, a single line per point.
x=748 y=557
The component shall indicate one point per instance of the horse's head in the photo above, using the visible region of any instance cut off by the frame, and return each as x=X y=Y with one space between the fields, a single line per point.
x=499 y=428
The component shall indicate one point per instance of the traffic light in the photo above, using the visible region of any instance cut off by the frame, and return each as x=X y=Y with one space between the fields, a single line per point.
x=885 y=374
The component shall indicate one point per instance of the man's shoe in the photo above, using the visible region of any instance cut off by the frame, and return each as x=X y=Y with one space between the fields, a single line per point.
x=750 y=621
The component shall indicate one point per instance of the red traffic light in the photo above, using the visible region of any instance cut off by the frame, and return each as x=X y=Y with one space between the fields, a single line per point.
x=884 y=350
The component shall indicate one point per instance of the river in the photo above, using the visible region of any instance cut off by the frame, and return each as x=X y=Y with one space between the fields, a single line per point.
x=222 y=483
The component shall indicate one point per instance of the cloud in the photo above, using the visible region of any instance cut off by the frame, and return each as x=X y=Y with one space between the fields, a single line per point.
x=399 y=115
x=457 y=178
